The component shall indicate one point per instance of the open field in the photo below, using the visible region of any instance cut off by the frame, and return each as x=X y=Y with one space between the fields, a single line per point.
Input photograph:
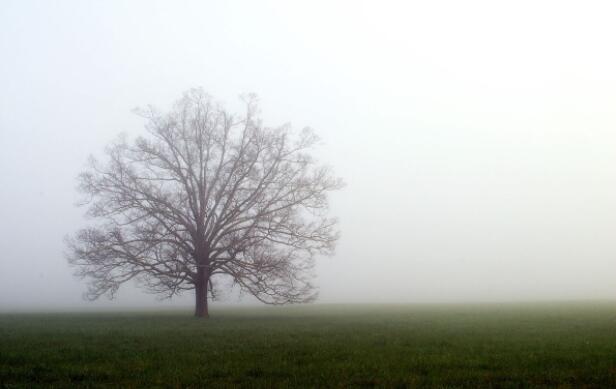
x=506 y=345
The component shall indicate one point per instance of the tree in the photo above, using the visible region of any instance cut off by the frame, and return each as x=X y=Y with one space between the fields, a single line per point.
x=208 y=196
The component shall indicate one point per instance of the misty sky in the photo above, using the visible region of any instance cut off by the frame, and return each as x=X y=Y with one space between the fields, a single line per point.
x=477 y=139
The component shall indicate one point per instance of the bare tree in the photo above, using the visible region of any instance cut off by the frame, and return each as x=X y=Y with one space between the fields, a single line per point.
x=207 y=196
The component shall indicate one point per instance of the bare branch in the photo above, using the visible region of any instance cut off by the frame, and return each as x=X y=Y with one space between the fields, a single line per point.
x=208 y=194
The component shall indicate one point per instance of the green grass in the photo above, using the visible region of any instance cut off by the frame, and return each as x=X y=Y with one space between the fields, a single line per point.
x=508 y=345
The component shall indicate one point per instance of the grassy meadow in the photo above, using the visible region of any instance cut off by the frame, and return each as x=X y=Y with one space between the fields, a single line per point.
x=491 y=345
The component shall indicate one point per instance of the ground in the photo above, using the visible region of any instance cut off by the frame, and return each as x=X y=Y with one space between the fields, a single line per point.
x=492 y=345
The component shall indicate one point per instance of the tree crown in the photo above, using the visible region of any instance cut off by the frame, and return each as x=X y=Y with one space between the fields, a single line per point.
x=206 y=192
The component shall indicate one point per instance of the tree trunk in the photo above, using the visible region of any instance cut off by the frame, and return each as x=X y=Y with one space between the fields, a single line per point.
x=201 y=308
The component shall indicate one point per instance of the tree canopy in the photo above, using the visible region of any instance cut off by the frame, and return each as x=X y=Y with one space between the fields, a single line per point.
x=206 y=196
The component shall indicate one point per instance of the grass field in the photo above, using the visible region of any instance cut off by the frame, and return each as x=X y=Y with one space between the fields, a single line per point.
x=508 y=345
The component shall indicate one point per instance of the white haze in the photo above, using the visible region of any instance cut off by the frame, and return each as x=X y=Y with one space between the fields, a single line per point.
x=477 y=139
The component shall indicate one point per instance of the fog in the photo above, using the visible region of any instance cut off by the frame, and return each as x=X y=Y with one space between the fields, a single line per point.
x=477 y=139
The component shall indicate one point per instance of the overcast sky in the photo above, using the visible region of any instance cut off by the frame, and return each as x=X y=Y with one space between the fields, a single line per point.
x=477 y=139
